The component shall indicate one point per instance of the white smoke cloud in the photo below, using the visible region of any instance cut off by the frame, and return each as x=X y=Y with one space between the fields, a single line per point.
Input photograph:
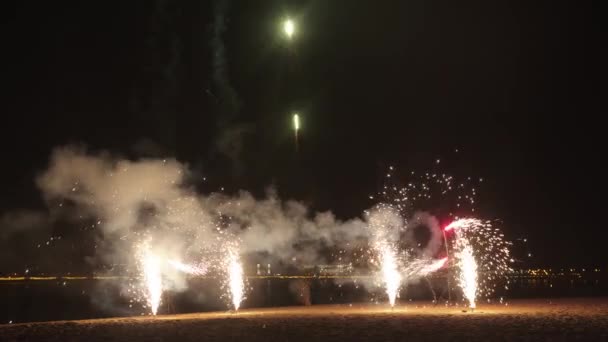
x=150 y=197
x=435 y=240
x=133 y=200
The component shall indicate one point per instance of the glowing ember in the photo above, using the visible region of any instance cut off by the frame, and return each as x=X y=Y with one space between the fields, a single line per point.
x=468 y=274
x=152 y=280
x=198 y=270
x=236 y=281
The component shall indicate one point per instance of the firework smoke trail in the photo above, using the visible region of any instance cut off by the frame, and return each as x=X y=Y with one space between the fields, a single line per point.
x=198 y=270
x=468 y=274
x=150 y=266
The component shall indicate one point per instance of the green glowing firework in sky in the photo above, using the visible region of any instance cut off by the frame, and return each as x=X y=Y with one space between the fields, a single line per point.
x=296 y=122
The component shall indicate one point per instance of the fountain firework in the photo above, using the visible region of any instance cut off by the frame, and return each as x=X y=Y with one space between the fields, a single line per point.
x=385 y=223
x=236 y=278
x=150 y=198
x=150 y=267
x=390 y=271
x=468 y=274
x=481 y=255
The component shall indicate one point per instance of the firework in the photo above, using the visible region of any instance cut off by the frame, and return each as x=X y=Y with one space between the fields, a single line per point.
x=390 y=272
x=468 y=274
x=465 y=223
x=150 y=267
x=197 y=270
x=487 y=252
x=482 y=256
x=296 y=127
x=289 y=28
x=236 y=279
x=384 y=222
x=421 y=268
x=431 y=189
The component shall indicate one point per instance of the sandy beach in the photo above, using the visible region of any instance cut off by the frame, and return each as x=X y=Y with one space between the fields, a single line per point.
x=519 y=320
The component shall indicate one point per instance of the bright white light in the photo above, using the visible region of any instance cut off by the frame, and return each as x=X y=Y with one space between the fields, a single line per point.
x=390 y=273
x=468 y=274
x=296 y=121
x=236 y=279
x=289 y=28
x=152 y=279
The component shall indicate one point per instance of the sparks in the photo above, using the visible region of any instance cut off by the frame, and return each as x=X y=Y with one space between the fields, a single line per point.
x=482 y=256
x=384 y=221
x=198 y=270
x=390 y=272
x=431 y=267
x=152 y=280
x=465 y=223
x=468 y=274
x=236 y=281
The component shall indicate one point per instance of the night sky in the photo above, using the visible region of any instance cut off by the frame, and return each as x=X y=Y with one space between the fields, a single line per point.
x=514 y=87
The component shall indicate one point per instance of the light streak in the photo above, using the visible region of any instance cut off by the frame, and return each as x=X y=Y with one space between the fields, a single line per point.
x=296 y=128
x=296 y=121
x=197 y=270
x=430 y=267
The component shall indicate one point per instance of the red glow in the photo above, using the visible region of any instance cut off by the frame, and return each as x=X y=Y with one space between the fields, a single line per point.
x=449 y=226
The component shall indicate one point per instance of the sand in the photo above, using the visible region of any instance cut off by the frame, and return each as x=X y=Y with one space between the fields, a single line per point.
x=520 y=320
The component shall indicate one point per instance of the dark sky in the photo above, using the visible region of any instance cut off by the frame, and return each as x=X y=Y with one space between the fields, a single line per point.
x=514 y=86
